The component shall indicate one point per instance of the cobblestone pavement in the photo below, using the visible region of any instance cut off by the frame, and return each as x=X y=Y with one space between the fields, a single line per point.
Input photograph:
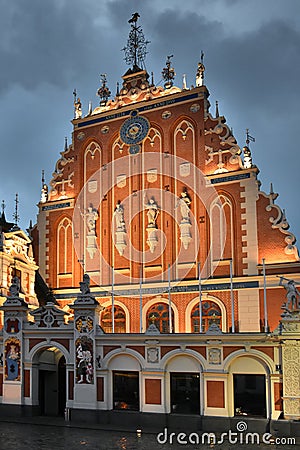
x=58 y=435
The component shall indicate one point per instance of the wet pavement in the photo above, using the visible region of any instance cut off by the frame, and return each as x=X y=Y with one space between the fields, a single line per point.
x=52 y=434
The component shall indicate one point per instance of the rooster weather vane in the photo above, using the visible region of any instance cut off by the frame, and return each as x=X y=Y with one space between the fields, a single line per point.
x=136 y=48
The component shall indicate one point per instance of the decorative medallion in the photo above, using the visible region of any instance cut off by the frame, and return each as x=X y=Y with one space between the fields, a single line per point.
x=105 y=129
x=81 y=136
x=134 y=130
x=134 y=149
x=166 y=114
x=195 y=107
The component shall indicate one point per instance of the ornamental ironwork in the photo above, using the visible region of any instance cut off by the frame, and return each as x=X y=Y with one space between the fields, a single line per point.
x=136 y=48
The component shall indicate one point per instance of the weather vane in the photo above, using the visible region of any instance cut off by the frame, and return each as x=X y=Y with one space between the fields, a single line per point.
x=136 y=48
x=168 y=73
x=103 y=91
x=248 y=137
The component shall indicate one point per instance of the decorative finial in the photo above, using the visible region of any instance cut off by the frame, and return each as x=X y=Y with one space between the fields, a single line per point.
x=90 y=109
x=168 y=73
x=200 y=71
x=16 y=216
x=136 y=48
x=152 y=79
x=118 y=89
x=184 y=86
x=217 y=108
x=66 y=143
x=271 y=189
x=77 y=106
x=3 y=206
x=103 y=91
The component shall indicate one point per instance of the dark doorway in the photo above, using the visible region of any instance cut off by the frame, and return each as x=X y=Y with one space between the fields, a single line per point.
x=126 y=390
x=185 y=393
x=249 y=395
x=52 y=383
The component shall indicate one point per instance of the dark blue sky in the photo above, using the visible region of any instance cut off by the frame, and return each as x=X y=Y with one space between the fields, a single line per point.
x=252 y=59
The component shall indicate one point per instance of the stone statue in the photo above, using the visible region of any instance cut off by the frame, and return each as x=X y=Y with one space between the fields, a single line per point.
x=184 y=204
x=44 y=193
x=78 y=110
x=292 y=293
x=85 y=284
x=152 y=212
x=119 y=217
x=91 y=217
x=14 y=289
x=200 y=74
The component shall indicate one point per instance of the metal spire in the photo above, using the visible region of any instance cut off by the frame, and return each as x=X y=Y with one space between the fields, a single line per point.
x=136 y=48
x=217 y=109
x=16 y=216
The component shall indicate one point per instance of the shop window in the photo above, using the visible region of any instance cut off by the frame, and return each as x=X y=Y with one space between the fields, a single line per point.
x=185 y=393
x=119 y=317
x=249 y=395
x=158 y=314
x=126 y=390
x=211 y=314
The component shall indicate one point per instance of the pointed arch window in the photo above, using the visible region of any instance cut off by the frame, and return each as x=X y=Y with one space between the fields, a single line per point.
x=222 y=236
x=211 y=314
x=64 y=247
x=119 y=320
x=158 y=314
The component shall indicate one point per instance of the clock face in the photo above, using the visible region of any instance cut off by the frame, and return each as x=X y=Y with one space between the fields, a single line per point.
x=134 y=129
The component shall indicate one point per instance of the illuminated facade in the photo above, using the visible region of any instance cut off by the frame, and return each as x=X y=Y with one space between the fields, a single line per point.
x=157 y=214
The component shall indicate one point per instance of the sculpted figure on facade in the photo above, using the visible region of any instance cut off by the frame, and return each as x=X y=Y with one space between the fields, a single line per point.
x=184 y=204
x=119 y=217
x=85 y=284
x=78 y=110
x=91 y=217
x=292 y=294
x=152 y=212
x=14 y=289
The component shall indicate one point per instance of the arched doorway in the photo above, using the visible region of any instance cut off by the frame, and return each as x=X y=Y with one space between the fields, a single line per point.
x=51 y=365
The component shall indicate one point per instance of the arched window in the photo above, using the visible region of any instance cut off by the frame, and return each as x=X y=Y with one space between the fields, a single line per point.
x=64 y=247
x=211 y=313
x=222 y=236
x=119 y=317
x=158 y=314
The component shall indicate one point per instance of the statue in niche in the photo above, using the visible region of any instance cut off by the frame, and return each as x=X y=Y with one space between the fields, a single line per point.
x=14 y=289
x=292 y=294
x=119 y=217
x=152 y=212
x=91 y=217
x=78 y=110
x=184 y=203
